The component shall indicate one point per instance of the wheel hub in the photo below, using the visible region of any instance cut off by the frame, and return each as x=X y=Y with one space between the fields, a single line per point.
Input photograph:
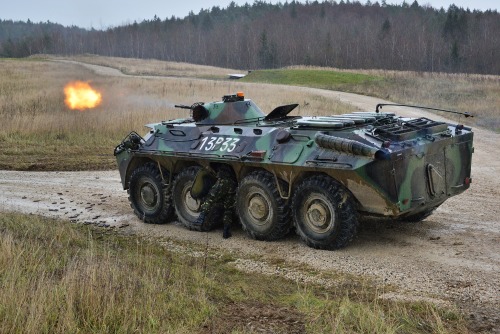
x=191 y=204
x=319 y=214
x=148 y=195
x=258 y=208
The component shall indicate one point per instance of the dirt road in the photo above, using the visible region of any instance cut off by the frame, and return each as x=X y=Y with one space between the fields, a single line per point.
x=451 y=257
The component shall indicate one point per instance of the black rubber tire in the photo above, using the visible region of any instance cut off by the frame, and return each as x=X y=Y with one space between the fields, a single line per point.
x=149 y=196
x=321 y=200
x=258 y=189
x=187 y=208
x=418 y=217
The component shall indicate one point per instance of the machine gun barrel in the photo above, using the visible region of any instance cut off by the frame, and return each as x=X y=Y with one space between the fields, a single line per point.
x=182 y=106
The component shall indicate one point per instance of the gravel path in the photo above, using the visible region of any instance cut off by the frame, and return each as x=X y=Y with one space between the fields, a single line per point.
x=451 y=257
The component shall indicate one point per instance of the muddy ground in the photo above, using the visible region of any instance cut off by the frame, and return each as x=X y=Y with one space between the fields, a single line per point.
x=451 y=258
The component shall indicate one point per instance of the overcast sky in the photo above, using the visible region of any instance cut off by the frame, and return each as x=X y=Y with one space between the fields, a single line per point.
x=101 y=14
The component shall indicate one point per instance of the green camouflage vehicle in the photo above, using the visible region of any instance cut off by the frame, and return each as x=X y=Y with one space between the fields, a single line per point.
x=317 y=175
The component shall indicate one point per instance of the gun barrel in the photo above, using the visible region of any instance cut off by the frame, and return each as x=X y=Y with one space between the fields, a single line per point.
x=182 y=106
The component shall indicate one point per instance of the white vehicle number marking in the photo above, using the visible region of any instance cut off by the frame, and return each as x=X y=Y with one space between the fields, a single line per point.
x=225 y=144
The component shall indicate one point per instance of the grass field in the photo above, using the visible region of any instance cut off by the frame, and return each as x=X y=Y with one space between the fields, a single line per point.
x=477 y=94
x=62 y=278
x=156 y=67
x=333 y=80
x=40 y=133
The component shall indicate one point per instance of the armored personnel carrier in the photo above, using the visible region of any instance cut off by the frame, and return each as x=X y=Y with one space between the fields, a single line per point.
x=318 y=175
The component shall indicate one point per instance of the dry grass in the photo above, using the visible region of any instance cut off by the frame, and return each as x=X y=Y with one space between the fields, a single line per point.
x=474 y=93
x=40 y=133
x=62 y=278
x=59 y=279
x=155 y=67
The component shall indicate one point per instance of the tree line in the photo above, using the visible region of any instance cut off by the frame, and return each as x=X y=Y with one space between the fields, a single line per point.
x=341 y=34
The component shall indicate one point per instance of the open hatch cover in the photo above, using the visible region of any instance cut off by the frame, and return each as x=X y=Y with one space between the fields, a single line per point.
x=280 y=112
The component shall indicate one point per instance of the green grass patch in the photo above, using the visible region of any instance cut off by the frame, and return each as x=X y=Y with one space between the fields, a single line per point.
x=325 y=79
x=57 y=277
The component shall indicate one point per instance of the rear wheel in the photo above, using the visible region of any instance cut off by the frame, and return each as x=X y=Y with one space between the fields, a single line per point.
x=263 y=213
x=149 y=196
x=324 y=213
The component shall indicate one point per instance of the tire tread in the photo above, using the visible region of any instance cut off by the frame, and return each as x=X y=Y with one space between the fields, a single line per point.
x=282 y=226
x=166 y=213
x=346 y=214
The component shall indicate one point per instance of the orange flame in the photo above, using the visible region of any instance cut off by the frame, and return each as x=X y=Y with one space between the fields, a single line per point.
x=80 y=96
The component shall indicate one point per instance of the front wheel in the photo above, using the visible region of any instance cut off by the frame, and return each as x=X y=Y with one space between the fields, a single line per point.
x=149 y=196
x=324 y=213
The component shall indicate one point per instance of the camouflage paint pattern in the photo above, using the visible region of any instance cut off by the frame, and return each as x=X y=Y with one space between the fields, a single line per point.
x=393 y=166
